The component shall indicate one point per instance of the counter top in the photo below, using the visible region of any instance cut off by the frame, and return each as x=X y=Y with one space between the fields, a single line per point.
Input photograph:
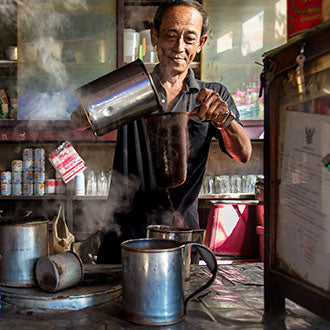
x=234 y=301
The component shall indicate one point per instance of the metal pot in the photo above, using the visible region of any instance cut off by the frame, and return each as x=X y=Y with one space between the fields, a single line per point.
x=181 y=235
x=168 y=144
x=152 y=280
x=21 y=245
x=118 y=97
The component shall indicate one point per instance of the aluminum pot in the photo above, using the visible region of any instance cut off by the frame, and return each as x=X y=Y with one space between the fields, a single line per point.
x=178 y=234
x=21 y=245
x=152 y=280
x=118 y=97
x=169 y=144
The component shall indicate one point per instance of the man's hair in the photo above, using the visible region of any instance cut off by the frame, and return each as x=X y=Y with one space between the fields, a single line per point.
x=188 y=3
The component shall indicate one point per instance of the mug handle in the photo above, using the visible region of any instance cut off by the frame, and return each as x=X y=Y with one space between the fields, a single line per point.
x=211 y=262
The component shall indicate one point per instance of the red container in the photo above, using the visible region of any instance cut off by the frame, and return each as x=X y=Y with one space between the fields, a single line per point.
x=303 y=15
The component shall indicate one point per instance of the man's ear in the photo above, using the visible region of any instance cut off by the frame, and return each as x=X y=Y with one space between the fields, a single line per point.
x=154 y=36
x=201 y=43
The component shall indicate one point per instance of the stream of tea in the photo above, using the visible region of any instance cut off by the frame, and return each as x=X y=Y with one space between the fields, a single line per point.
x=177 y=219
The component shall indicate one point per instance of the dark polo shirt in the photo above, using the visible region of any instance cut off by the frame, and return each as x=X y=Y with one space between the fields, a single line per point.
x=133 y=182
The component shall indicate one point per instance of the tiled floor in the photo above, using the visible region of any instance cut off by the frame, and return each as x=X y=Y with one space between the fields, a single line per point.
x=235 y=301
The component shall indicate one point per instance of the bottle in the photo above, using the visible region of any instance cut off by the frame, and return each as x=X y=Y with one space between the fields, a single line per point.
x=102 y=185
x=80 y=184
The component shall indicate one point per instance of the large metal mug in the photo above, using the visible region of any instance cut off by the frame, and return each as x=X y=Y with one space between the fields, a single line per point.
x=168 y=141
x=118 y=97
x=152 y=280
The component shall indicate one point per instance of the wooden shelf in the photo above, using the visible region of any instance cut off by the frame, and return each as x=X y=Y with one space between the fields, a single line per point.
x=43 y=130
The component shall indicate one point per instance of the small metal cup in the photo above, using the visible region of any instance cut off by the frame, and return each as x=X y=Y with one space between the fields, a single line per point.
x=60 y=271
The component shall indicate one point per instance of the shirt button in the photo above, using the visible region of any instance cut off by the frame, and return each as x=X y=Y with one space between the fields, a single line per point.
x=162 y=101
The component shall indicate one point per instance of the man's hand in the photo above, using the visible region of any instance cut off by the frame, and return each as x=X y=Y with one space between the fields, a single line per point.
x=211 y=107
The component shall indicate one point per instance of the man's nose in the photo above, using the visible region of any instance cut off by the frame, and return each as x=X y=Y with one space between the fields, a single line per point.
x=179 y=44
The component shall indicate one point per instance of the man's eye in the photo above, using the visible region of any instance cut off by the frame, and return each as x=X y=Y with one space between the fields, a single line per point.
x=190 y=40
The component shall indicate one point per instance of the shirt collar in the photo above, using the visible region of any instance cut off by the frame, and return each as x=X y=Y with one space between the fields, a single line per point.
x=191 y=82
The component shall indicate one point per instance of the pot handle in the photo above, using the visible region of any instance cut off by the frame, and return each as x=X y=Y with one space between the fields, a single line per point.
x=211 y=262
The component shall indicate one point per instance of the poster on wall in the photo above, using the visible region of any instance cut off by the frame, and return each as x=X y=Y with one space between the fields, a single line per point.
x=303 y=226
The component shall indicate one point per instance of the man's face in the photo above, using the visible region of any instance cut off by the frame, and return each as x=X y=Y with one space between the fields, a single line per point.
x=179 y=38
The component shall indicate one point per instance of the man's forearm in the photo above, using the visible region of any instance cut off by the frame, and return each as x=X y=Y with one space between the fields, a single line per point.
x=237 y=142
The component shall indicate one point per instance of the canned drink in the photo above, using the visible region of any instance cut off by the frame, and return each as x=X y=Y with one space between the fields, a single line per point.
x=39 y=165
x=6 y=177
x=16 y=189
x=39 y=189
x=5 y=189
x=39 y=177
x=39 y=154
x=16 y=165
x=27 y=177
x=50 y=186
x=27 y=189
x=27 y=165
x=59 y=187
x=28 y=154
x=16 y=177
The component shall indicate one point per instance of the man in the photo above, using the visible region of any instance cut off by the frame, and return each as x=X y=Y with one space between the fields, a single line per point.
x=179 y=33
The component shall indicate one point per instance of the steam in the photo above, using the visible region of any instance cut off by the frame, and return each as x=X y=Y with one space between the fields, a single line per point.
x=102 y=216
x=41 y=54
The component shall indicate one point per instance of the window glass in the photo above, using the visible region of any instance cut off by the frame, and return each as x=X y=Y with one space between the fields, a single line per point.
x=241 y=31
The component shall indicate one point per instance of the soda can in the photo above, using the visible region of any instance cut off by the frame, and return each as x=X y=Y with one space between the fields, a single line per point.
x=16 y=165
x=27 y=177
x=5 y=189
x=16 y=177
x=39 y=154
x=16 y=189
x=50 y=186
x=39 y=165
x=59 y=187
x=6 y=177
x=39 y=177
x=39 y=189
x=27 y=164
x=27 y=189
x=28 y=154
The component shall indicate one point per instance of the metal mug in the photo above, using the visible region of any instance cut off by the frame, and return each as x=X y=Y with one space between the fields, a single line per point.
x=59 y=271
x=118 y=97
x=152 y=280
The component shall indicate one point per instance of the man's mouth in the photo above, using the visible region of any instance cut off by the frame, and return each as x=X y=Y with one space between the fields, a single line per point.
x=178 y=59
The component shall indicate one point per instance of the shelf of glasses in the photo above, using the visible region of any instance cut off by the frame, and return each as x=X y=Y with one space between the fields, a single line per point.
x=228 y=196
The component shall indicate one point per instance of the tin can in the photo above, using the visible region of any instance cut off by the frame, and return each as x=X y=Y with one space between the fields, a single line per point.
x=39 y=177
x=302 y=15
x=39 y=165
x=27 y=189
x=16 y=165
x=16 y=189
x=27 y=165
x=6 y=177
x=16 y=177
x=5 y=189
x=28 y=154
x=39 y=154
x=39 y=189
x=27 y=177
x=59 y=187
x=50 y=186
